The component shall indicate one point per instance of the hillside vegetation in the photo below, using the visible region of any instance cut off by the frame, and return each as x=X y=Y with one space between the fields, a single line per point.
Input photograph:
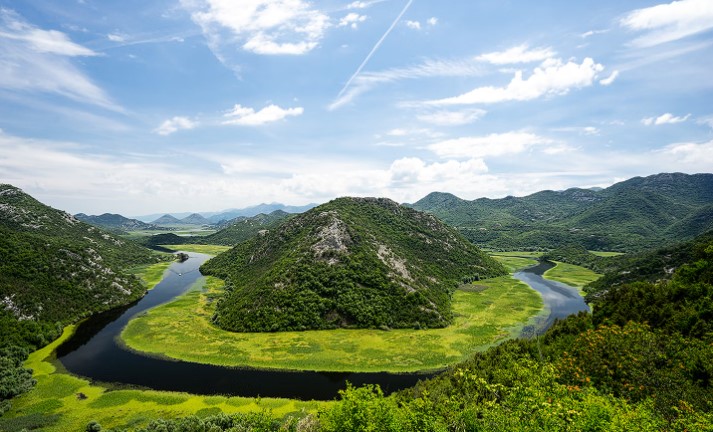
x=636 y=214
x=617 y=370
x=54 y=270
x=353 y=262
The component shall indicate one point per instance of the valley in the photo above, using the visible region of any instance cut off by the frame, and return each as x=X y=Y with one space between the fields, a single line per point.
x=453 y=308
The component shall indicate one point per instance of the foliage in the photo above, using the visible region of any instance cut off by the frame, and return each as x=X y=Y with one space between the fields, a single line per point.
x=54 y=270
x=634 y=215
x=353 y=262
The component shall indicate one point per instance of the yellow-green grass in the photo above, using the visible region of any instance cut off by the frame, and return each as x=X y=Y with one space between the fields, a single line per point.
x=487 y=313
x=204 y=249
x=528 y=254
x=57 y=399
x=514 y=263
x=571 y=275
x=606 y=254
x=151 y=274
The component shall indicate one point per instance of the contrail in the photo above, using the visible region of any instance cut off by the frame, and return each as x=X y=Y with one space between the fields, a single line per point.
x=373 y=50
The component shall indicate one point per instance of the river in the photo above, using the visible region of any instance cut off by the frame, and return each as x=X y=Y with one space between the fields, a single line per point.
x=93 y=351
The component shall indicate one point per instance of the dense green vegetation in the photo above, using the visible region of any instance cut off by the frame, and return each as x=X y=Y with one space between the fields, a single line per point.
x=641 y=362
x=486 y=313
x=634 y=215
x=353 y=262
x=54 y=271
x=61 y=402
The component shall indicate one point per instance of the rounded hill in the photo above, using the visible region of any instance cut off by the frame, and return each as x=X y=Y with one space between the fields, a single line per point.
x=352 y=262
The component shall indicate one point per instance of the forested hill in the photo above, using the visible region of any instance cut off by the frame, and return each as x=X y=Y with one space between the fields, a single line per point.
x=243 y=228
x=635 y=214
x=353 y=262
x=56 y=268
x=115 y=222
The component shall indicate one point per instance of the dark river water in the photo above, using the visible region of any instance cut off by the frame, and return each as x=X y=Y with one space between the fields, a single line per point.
x=93 y=351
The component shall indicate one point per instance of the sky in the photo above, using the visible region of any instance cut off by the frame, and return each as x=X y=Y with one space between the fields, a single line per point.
x=138 y=107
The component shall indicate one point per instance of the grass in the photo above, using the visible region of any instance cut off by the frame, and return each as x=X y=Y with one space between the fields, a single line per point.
x=572 y=275
x=152 y=274
x=55 y=404
x=514 y=262
x=487 y=313
x=204 y=249
x=606 y=254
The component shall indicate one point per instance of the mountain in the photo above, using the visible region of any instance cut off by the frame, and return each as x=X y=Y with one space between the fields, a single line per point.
x=195 y=219
x=57 y=268
x=115 y=222
x=167 y=219
x=353 y=262
x=256 y=210
x=243 y=228
x=635 y=214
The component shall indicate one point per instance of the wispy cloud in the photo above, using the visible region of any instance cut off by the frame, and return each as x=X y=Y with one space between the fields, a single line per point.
x=489 y=145
x=452 y=118
x=38 y=60
x=669 y=22
x=268 y=27
x=518 y=54
x=352 y=19
x=174 y=125
x=667 y=118
x=363 y=4
x=429 y=68
x=245 y=116
x=553 y=77
x=368 y=56
x=414 y=25
x=610 y=79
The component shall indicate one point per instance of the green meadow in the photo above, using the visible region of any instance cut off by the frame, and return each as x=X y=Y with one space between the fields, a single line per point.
x=571 y=275
x=486 y=313
x=63 y=402
x=152 y=274
x=204 y=249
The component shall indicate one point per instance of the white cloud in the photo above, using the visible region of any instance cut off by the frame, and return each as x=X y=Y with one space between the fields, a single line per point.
x=706 y=121
x=429 y=68
x=115 y=37
x=363 y=4
x=667 y=118
x=485 y=146
x=669 y=22
x=552 y=78
x=37 y=60
x=584 y=130
x=432 y=21
x=174 y=125
x=452 y=118
x=267 y=27
x=245 y=116
x=592 y=33
x=610 y=79
x=695 y=154
x=518 y=54
x=411 y=170
x=352 y=20
x=413 y=25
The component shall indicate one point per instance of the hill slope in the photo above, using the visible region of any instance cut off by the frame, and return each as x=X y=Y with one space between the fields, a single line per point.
x=632 y=215
x=353 y=262
x=242 y=228
x=56 y=268
x=115 y=222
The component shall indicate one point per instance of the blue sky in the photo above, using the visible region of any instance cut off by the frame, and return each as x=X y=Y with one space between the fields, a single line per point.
x=197 y=105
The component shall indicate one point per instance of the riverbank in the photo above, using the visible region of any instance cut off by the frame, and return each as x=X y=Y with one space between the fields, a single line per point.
x=486 y=313
x=64 y=402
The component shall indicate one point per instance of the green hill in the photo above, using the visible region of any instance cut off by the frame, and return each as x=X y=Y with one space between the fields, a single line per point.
x=56 y=268
x=115 y=222
x=632 y=215
x=243 y=228
x=353 y=262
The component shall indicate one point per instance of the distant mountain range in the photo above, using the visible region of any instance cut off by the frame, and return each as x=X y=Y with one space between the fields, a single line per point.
x=226 y=215
x=635 y=214
x=115 y=222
